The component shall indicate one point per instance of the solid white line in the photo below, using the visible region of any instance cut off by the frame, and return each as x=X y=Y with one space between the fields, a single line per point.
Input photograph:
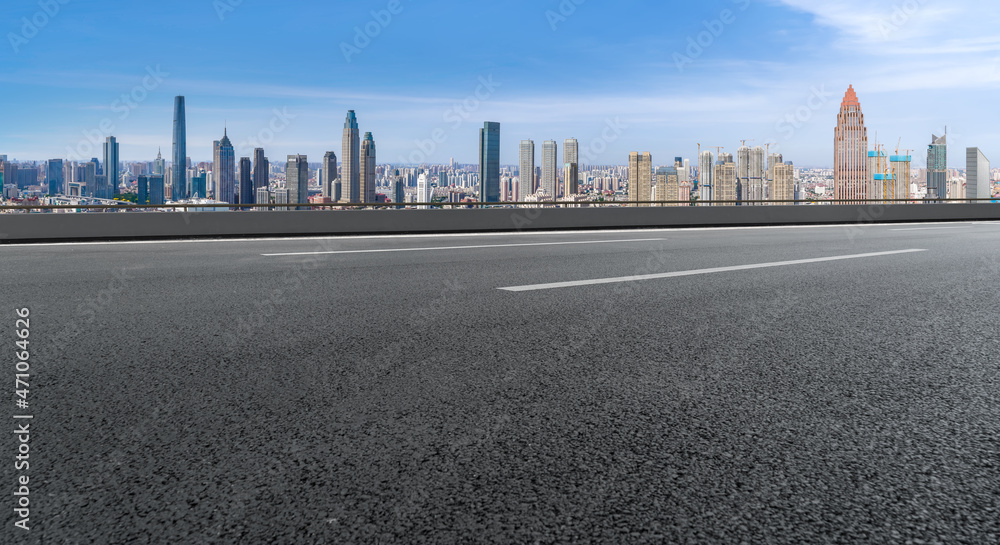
x=932 y=228
x=386 y=250
x=557 y=285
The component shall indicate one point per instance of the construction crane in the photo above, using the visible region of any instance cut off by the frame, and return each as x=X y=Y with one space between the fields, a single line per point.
x=744 y=142
x=899 y=144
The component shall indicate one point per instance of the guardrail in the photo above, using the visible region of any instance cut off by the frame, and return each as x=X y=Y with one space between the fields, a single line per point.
x=124 y=205
x=489 y=217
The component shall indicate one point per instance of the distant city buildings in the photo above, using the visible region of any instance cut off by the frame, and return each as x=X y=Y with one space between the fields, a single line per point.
x=640 y=177
x=297 y=180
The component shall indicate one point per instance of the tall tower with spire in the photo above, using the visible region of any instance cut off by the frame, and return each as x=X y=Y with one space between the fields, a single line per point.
x=225 y=181
x=850 y=149
x=351 y=157
x=159 y=166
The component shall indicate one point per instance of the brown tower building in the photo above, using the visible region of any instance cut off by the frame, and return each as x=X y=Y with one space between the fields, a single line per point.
x=850 y=148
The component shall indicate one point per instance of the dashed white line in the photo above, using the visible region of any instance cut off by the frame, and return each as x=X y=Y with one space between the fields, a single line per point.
x=557 y=285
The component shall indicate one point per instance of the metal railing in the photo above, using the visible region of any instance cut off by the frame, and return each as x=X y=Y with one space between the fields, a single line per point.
x=186 y=207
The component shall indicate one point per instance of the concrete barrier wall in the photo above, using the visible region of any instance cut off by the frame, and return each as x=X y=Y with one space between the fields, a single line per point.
x=125 y=226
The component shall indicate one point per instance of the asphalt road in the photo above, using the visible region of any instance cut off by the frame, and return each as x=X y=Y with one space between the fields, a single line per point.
x=211 y=392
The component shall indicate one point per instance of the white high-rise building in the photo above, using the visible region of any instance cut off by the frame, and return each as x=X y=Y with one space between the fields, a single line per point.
x=978 y=184
x=424 y=190
x=706 y=176
x=526 y=183
x=550 y=168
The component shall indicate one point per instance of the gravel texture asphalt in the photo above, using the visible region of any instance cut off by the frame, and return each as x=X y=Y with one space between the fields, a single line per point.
x=202 y=392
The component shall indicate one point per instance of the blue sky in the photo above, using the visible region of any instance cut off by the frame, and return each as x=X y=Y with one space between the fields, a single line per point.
x=765 y=70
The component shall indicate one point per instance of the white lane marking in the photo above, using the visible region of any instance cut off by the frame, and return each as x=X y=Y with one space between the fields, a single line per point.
x=932 y=228
x=386 y=250
x=557 y=285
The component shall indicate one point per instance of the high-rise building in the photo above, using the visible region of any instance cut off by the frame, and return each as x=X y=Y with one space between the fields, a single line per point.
x=329 y=175
x=725 y=180
x=111 y=166
x=225 y=171
x=640 y=177
x=90 y=179
x=10 y=173
x=571 y=156
x=282 y=196
x=850 y=144
x=937 y=167
x=571 y=175
x=199 y=186
x=978 y=181
x=297 y=180
x=398 y=189
x=150 y=189
x=526 y=171
x=263 y=196
x=424 y=190
x=159 y=165
x=489 y=162
x=783 y=185
x=901 y=175
x=179 y=173
x=550 y=169
x=881 y=184
x=743 y=173
x=55 y=177
x=246 y=181
x=706 y=176
x=261 y=169
x=758 y=175
x=668 y=185
x=351 y=157
x=367 y=173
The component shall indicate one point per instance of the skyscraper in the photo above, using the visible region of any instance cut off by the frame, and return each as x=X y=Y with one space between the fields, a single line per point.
x=667 y=185
x=367 y=173
x=725 y=180
x=159 y=165
x=937 y=168
x=330 y=175
x=90 y=179
x=225 y=168
x=901 y=175
x=55 y=177
x=758 y=175
x=979 y=184
x=351 y=156
x=110 y=168
x=640 y=177
x=706 y=176
x=526 y=170
x=743 y=173
x=424 y=190
x=261 y=169
x=398 y=189
x=179 y=171
x=489 y=162
x=850 y=144
x=783 y=186
x=246 y=181
x=571 y=156
x=297 y=180
x=550 y=169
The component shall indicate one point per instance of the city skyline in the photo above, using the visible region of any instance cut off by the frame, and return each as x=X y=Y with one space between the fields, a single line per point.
x=784 y=85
